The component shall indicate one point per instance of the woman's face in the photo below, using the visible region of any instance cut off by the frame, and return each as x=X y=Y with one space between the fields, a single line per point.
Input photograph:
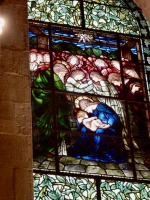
x=74 y=60
x=39 y=58
x=132 y=73
x=85 y=116
x=46 y=57
x=89 y=109
x=100 y=63
x=115 y=64
x=79 y=77
x=32 y=57
x=94 y=78
x=117 y=83
x=136 y=88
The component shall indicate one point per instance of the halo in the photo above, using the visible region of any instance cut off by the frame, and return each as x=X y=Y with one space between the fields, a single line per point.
x=77 y=100
x=66 y=65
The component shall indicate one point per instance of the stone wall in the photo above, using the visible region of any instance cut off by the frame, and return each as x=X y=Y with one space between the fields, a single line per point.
x=16 y=181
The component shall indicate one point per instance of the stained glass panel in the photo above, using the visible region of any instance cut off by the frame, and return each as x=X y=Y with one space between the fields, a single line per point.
x=82 y=98
x=124 y=190
x=118 y=16
x=109 y=18
x=63 y=187
x=61 y=12
x=108 y=2
x=51 y=187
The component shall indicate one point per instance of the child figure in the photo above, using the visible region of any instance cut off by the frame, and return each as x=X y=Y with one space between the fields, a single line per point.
x=92 y=123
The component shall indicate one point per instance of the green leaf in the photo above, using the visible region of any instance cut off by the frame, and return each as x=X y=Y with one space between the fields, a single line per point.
x=113 y=54
x=105 y=185
x=107 y=9
x=129 y=186
x=51 y=180
x=89 y=185
x=119 y=197
x=52 y=195
x=83 y=187
x=97 y=52
x=64 y=9
x=110 y=194
x=95 y=17
x=62 y=198
x=81 y=52
x=119 y=185
x=75 y=195
x=113 y=187
x=78 y=181
x=122 y=195
x=89 y=51
x=36 y=192
x=140 y=186
x=144 y=194
x=126 y=191
x=61 y=179
x=68 y=191
x=58 y=193
x=36 y=182
x=72 y=180
x=90 y=192
x=42 y=192
x=101 y=13
x=62 y=134
x=43 y=16
x=58 y=14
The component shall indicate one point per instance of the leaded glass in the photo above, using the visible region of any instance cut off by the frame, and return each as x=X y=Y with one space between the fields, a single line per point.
x=108 y=2
x=61 y=12
x=118 y=16
x=63 y=187
x=110 y=18
x=81 y=86
x=66 y=187
x=124 y=190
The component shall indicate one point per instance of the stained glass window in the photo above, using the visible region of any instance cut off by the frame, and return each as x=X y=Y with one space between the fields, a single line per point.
x=66 y=187
x=118 y=16
x=90 y=88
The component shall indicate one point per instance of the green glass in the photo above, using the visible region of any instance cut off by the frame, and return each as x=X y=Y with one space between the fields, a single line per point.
x=109 y=18
x=61 y=12
x=108 y=2
x=113 y=15
x=124 y=190
x=63 y=187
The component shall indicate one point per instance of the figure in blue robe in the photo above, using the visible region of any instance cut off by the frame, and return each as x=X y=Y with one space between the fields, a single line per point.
x=93 y=146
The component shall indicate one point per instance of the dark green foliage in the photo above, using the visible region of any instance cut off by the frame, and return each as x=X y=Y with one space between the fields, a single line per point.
x=97 y=52
x=58 y=47
x=33 y=42
x=72 y=48
x=114 y=55
x=89 y=51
